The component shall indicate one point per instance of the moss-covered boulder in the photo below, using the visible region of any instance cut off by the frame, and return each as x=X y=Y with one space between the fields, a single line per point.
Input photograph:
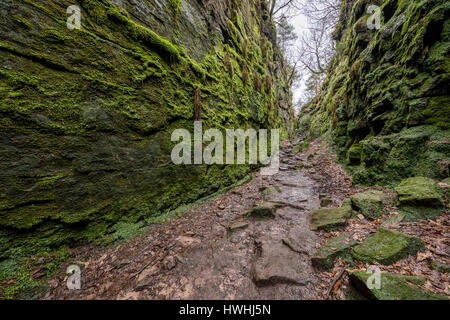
x=420 y=198
x=387 y=247
x=419 y=191
x=392 y=287
x=369 y=203
x=335 y=247
x=329 y=218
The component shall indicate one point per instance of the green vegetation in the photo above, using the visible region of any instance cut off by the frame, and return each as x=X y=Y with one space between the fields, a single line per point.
x=334 y=247
x=393 y=287
x=330 y=218
x=382 y=100
x=24 y=278
x=87 y=117
x=370 y=203
x=387 y=247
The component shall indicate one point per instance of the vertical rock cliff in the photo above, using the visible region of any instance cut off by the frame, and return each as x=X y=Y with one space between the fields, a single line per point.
x=385 y=101
x=86 y=115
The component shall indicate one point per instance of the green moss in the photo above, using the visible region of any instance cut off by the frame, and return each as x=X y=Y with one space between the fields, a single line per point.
x=271 y=190
x=335 y=247
x=370 y=203
x=16 y=277
x=147 y=36
x=420 y=191
x=302 y=147
x=438 y=111
x=393 y=287
x=354 y=155
x=329 y=218
x=387 y=247
x=124 y=231
x=382 y=97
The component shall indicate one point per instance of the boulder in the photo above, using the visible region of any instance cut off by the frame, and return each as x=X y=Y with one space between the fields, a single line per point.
x=271 y=190
x=419 y=191
x=329 y=218
x=325 y=202
x=335 y=247
x=392 y=287
x=387 y=247
x=420 y=198
x=276 y=263
x=369 y=203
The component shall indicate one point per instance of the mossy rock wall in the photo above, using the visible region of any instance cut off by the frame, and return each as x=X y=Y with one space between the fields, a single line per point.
x=86 y=116
x=385 y=99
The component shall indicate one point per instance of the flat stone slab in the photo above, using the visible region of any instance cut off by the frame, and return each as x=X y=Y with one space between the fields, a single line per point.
x=387 y=247
x=392 y=287
x=419 y=191
x=369 y=203
x=277 y=264
x=335 y=247
x=419 y=198
x=329 y=218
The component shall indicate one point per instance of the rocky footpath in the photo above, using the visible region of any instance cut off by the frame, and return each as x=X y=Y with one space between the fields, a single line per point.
x=258 y=241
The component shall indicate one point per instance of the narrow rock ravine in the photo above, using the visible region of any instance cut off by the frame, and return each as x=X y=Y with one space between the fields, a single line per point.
x=216 y=251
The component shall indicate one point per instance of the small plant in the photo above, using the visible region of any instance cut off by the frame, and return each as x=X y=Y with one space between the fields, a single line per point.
x=244 y=73
x=257 y=82
x=228 y=64
x=268 y=83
